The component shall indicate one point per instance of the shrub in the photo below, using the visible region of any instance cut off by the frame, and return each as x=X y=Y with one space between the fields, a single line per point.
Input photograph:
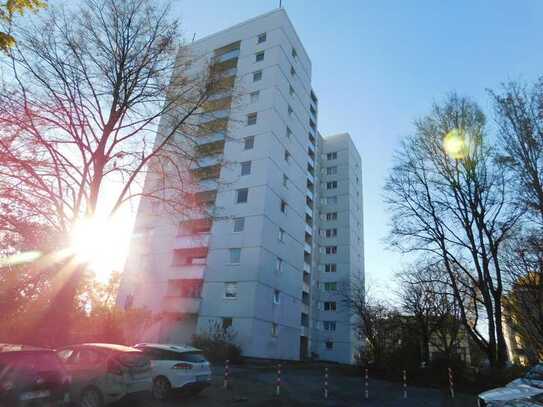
x=218 y=344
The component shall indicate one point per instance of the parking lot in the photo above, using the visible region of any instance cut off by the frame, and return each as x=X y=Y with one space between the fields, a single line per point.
x=254 y=385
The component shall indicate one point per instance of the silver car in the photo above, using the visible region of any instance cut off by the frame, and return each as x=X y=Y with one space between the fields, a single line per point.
x=104 y=373
x=528 y=388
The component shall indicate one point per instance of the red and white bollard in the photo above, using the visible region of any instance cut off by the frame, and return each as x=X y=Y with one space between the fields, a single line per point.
x=451 y=383
x=326 y=383
x=278 y=381
x=404 y=384
x=226 y=373
x=366 y=392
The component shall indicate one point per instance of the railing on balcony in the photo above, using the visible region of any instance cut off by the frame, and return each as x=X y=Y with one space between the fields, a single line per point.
x=207 y=161
x=210 y=172
x=307 y=267
x=181 y=305
x=192 y=241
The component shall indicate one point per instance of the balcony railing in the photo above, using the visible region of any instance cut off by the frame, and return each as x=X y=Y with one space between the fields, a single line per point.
x=181 y=305
x=307 y=268
x=192 y=241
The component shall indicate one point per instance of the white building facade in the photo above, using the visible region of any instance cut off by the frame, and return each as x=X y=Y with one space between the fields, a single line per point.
x=282 y=241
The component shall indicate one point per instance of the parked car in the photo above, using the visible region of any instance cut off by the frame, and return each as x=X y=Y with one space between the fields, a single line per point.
x=535 y=401
x=528 y=387
x=176 y=367
x=32 y=376
x=104 y=373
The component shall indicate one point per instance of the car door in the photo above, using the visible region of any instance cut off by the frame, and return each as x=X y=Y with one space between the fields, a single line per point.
x=84 y=365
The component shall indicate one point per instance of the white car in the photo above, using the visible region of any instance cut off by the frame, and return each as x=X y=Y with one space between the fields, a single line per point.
x=176 y=367
x=528 y=387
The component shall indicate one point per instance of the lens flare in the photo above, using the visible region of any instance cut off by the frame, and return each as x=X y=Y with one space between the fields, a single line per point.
x=19 y=258
x=456 y=144
x=97 y=242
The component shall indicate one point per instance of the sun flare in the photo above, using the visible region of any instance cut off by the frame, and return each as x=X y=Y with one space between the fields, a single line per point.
x=99 y=242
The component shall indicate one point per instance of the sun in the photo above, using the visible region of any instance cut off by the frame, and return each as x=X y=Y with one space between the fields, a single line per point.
x=99 y=242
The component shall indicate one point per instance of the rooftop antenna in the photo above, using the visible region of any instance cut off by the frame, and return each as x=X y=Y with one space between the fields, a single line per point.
x=193 y=37
x=280 y=3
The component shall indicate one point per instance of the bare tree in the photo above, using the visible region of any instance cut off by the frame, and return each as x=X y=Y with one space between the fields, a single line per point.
x=426 y=295
x=378 y=324
x=87 y=87
x=519 y=115
x=449 y=200
x=523 y=305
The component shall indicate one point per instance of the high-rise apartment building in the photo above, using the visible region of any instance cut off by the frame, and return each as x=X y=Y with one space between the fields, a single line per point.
x=282 y=240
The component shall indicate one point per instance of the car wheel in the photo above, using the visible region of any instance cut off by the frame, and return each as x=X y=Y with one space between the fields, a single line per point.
x=161 y=388
x=91 y=398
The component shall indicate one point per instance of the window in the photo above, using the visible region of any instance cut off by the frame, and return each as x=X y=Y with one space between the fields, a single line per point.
x=242 y=195
x=329 y=345
x=285 y=181
x=287 y=156
x=257 y=75
x=245 y=168
x=331 y=185
x=331 y=232
x=290 y=110
x=330 y=268
x=331 y=156
x=292 y=70
x=289 y=132
x=329 y=305
x=261 y=38
x=230 y=290
x=331 y=170
x=235 y=256
x=274 y=329
x=276 y=297
x=226 y=323
x=248 y=143
x=330 y=286
x=294 y=53
x=279 y=264
x=254 y=96
x=251 y=119
x=283 y=206
x=259 y=56
x=290 y=90
x=239 y=225
x=331 y=249
x=331 y=216
x=281 y=236
x=329 y=325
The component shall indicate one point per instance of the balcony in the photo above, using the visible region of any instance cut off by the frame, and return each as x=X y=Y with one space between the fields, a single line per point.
x=180 y=305
x=309 y=194
x=305 y=287
x=227 y=56
x=192 y=241
x=205 y=173
x=193 y=271
x=215 y=115
x=307 y=248
x=208 y=161
x=218 y=104
x=303 y=330
x=211 y=138
x=208 y=185
x=212 y=127
x=311 y=147
x=212 y=148
x=308 y=229
x=307 y=268
x=308 y=211
x=314 y=98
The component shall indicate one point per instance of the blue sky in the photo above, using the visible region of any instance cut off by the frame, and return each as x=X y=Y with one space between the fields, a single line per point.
x=378 y=65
